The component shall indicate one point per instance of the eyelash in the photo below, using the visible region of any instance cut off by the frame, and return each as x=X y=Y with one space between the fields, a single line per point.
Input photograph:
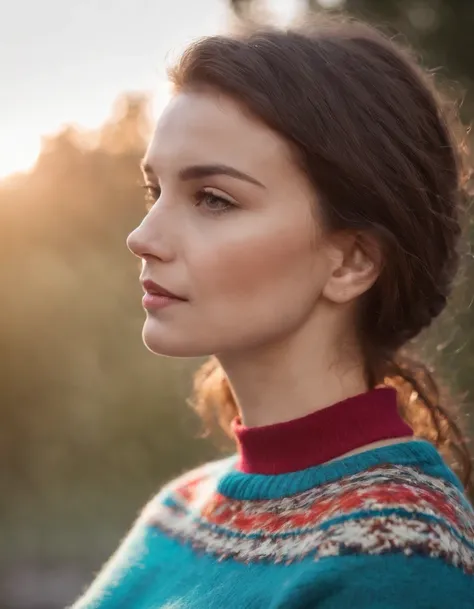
x=153 y=193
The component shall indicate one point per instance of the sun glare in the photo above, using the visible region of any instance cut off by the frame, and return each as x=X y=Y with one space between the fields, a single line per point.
x=18 y=153
x=19 y=149
x=283 y=11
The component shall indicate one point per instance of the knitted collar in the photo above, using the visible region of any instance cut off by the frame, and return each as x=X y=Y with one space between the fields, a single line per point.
x=320 y=436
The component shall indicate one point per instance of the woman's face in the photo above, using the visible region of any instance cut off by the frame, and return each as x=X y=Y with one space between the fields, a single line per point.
x=232 y=231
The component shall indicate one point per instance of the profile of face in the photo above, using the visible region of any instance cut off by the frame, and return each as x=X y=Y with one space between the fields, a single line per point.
x=233 y=231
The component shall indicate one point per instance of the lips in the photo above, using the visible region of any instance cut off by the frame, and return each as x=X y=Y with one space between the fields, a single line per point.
x=154 y=289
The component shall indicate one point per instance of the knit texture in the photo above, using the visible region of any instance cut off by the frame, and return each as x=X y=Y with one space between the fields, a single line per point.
x=388 y=527
x=322 y=435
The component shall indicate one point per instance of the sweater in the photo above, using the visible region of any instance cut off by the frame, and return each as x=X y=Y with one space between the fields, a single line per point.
x=292 y=521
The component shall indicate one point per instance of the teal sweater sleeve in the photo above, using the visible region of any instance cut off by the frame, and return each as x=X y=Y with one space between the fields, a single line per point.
x=115 y=585
x=389 y=581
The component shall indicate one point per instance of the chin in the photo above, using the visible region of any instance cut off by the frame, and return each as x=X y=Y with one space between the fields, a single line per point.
x=161 y=342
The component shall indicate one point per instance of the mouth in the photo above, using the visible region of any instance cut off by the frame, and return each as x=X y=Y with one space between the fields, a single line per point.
x=150 y=287
x=157 y=297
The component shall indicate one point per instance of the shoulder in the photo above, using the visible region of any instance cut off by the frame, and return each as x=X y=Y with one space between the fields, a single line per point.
x=385 y=509
x=397 y=509
x=389 y=581
x=188 y=489
x=388 y=536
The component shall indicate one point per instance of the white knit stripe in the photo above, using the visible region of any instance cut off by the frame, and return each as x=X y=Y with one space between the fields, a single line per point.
x=365 y=536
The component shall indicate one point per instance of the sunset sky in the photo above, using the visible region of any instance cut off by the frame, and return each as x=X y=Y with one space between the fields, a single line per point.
x=66 y=62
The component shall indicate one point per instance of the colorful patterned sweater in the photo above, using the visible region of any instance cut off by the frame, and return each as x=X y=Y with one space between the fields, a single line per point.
x=386 y=528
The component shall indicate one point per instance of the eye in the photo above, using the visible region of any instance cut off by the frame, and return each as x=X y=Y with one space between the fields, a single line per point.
x=213 y=202
x=152 y=194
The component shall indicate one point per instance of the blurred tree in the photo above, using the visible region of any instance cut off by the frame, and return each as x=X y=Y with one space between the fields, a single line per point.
x=126 y=130
x=90 y=419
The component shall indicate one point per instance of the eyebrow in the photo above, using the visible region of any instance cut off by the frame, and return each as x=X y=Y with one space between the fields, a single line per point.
x=194 y=172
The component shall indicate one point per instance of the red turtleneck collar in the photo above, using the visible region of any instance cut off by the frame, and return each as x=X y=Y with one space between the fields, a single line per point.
x=320 y=436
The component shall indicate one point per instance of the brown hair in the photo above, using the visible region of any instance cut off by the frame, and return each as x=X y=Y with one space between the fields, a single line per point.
x=368 y=131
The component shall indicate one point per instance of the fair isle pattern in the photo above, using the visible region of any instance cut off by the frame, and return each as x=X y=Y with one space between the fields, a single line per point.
x=389 y=508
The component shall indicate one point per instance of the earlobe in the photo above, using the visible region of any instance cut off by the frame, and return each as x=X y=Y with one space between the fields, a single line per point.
x=358 y=268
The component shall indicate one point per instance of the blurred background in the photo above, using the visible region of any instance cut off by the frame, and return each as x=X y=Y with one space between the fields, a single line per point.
x=91 y=423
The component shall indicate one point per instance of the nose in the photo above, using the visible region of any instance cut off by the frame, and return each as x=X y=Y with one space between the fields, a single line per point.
x=135 y=242
x=150 y=240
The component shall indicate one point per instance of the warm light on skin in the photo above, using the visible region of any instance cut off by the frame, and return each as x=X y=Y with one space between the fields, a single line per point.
x=234 y=231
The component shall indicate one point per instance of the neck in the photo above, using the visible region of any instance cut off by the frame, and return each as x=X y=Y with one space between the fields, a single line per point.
x=278 y=383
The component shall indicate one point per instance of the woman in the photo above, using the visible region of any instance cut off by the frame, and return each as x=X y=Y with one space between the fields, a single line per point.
x=304 y=226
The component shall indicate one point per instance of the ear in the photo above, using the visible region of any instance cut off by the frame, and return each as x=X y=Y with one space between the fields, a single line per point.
x=356 y=260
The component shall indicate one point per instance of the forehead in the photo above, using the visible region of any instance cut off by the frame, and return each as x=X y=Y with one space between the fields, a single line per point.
x=208 y=127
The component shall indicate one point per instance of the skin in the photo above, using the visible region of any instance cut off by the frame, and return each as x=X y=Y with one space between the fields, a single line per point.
x=268 y=290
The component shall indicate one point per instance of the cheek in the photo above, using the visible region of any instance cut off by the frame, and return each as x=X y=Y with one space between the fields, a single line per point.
x=258 y=270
